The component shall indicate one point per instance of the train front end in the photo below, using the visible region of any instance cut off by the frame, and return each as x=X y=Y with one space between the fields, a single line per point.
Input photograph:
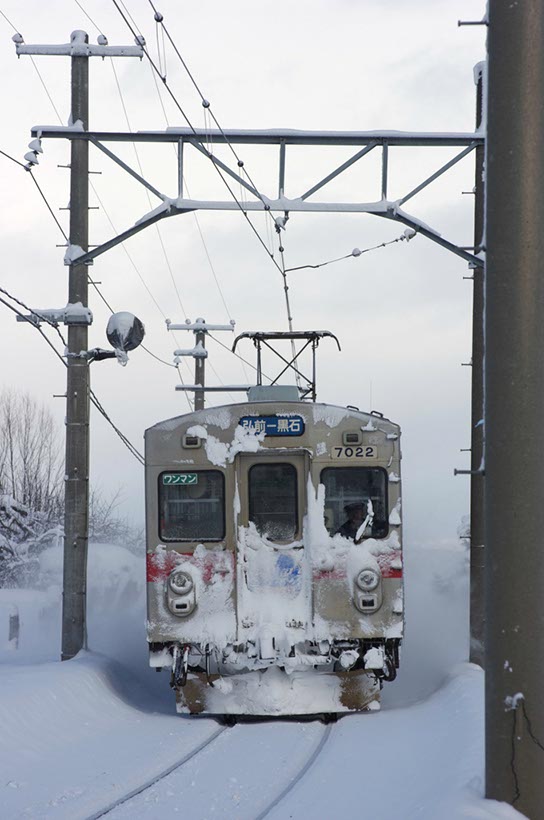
x=274 y=559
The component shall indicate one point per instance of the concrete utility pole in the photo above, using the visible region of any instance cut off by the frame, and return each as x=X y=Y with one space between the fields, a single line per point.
x=76 y=505
x=199 y=353
x=514 y=403
x=200 y=368
x=477 y=516
x=76 y=514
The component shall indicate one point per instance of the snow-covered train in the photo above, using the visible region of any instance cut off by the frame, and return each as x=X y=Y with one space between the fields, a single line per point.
x=274 y=560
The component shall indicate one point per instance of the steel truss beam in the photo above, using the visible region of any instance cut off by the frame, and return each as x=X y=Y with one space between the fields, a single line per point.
x=366 y=141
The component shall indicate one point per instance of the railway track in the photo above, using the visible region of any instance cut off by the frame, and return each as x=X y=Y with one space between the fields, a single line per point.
x=151 y=782
x=175 y=768
x=298 y=777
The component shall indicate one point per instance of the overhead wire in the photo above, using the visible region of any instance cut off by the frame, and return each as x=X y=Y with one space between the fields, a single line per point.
x=294 y=354
x=130 y=16
x=195 y=217
x=34 y=63
x=26 y=168
x=93 y=397
x=144 y=283
x=159 y=18
x=154 y=356
x=39 y=316
x=208 y=113
x=159 y=234
x=36 y=183
x=144 y=347
x=197 y=223
x=4 y=154
x=6 y=18
x=405 y=237
x=49 y=342
x=205 y=150
x=88 y=16
x=136 y=33
x=221 y=382
x=91 y=282
x=246 y=361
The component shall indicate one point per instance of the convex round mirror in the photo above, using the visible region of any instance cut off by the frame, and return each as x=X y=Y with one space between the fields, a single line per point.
x=125 y=331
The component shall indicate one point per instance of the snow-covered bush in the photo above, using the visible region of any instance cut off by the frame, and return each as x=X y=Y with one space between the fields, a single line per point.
x=31 y=503
x=32 y=493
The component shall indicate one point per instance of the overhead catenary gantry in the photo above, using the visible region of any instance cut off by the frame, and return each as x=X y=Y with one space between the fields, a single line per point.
x=191 y=141
x=365 y=142
x=513 y=342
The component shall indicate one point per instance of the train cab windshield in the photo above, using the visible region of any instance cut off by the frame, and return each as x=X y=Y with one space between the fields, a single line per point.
x=192 y=506
x=347 y=493
x=272 y=490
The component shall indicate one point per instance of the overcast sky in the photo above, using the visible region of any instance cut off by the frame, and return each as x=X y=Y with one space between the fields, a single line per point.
x=402 y=313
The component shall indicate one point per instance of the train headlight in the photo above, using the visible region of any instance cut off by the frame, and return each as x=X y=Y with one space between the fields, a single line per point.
x=367 y=580
x=180 y=582
x=180 y=593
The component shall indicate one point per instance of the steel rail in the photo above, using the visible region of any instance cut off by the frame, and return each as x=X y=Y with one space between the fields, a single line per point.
x=151 y=782
x=298 y=777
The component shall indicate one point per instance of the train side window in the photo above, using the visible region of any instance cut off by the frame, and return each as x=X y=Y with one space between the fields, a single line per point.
x=273 y=506
x=347 y=488
x=192 y=506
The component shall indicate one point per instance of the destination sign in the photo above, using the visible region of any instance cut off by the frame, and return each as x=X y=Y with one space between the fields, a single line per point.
x=274 y=425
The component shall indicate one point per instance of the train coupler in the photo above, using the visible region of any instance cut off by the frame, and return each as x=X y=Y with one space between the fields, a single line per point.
x=180 y=666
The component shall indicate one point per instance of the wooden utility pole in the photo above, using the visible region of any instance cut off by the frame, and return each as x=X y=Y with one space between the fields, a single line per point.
x=514 y=407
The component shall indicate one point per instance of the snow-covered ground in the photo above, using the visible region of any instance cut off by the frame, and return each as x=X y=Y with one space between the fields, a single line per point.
x=78 y=737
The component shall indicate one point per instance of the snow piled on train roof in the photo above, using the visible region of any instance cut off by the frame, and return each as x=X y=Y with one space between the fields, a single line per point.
x=332 y=416
x=220 y=417
x=328 y=414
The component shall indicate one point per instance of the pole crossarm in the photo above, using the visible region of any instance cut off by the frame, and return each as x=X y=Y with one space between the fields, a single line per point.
x=78 y=48
x=366 y=141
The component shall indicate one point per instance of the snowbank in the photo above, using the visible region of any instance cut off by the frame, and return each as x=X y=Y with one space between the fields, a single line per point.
x=79 y=735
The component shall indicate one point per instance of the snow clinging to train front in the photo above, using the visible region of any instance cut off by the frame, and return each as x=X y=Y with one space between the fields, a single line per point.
x=222 y=453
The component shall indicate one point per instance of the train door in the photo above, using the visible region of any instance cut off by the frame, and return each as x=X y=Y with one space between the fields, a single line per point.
x=273 y=575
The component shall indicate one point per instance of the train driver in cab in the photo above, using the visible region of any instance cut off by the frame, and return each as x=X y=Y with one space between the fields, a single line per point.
x=356 y=513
